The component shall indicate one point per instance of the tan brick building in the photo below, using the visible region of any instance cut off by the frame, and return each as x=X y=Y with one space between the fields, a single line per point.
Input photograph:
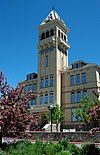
x=56 y=82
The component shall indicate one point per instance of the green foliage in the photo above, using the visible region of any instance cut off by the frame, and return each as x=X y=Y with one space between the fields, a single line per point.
x=67 y=152
x=2 y=152
x=39 y=148
x=75 y=150
x=57 y=115
x=90 y=149
x=82 y=111
x=64 y=143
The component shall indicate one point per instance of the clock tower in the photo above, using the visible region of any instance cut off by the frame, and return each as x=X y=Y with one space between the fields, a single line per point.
x=52 y=58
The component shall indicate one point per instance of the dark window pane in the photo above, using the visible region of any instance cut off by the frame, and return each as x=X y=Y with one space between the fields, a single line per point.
x=41 y=99
x=72 y=80
x=62 y=35
x=52 y=32
x=33 y=102
x=51 y=81
x=65 y=38
x=78 y=79
x=51 y=98
x=41 y=83
x=42 y=36
x=30 y=87
x=84 y=93
x=46 y=98
x=83 y=77
x=46 y=82
x=58 y=33
x=74 y=66
x=72 y=97
x=79 y=65
x=78 y=97
x=34 y=87
x=47 y=34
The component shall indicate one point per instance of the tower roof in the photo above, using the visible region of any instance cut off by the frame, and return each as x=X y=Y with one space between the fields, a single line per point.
x=51 y=16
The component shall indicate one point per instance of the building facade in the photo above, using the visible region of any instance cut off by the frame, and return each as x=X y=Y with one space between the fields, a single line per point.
x=56 y=82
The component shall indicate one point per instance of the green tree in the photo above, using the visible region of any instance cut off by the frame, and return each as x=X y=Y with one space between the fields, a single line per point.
x=83 y=111
x=57 y=115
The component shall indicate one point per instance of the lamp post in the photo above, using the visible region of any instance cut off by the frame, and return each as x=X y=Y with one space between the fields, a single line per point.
x=50 y=108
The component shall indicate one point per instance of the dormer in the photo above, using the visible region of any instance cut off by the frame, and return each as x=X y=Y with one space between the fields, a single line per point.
x=78 y=64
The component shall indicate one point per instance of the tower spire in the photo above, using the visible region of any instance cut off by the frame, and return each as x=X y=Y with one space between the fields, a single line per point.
x=52 y=7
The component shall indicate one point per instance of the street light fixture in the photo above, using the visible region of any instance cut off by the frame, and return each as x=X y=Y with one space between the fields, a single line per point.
x=50 y=108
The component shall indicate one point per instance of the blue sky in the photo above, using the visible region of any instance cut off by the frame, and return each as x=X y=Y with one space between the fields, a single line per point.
x=19 y=20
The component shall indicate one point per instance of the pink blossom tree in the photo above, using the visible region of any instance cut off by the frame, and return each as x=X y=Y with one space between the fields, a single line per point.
x=14 y=116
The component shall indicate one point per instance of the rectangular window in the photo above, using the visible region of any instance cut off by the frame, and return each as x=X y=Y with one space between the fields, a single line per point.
x=30 y=87
x=58 y=33
x=65 y=38
x=72 y=97
x=84 y=93
x=51 y=98
x=26 y=89
x=79 y=65
x=46 y=82
x=74 y=66
x=33 y=102
x=41 y=99
x=34 y=87
x=83 y=77
x=51 y=81
x=74 y=115
x=78 y=96
x=46 y=61
x=77 y=78
x=41 y=83
x=46 y=98
x=72 y=80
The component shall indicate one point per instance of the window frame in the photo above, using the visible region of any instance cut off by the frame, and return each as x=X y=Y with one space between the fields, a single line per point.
x=77 y=79
x=73 y=95
x=41 y=99
x=72 y=80
x=78 y=98
x=33 y=103
x=84 y=95
x=41 y=83
x=46 y=82
x=46 y=99
x=34 y=87
x=83 y=78
x=51 y=81
x=51 y=98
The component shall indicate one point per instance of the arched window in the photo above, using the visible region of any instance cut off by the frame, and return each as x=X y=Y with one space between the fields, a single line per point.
x=52 y=32
x=64 y=37
x=42 y=36
x=47 y=34
x=58 y=33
